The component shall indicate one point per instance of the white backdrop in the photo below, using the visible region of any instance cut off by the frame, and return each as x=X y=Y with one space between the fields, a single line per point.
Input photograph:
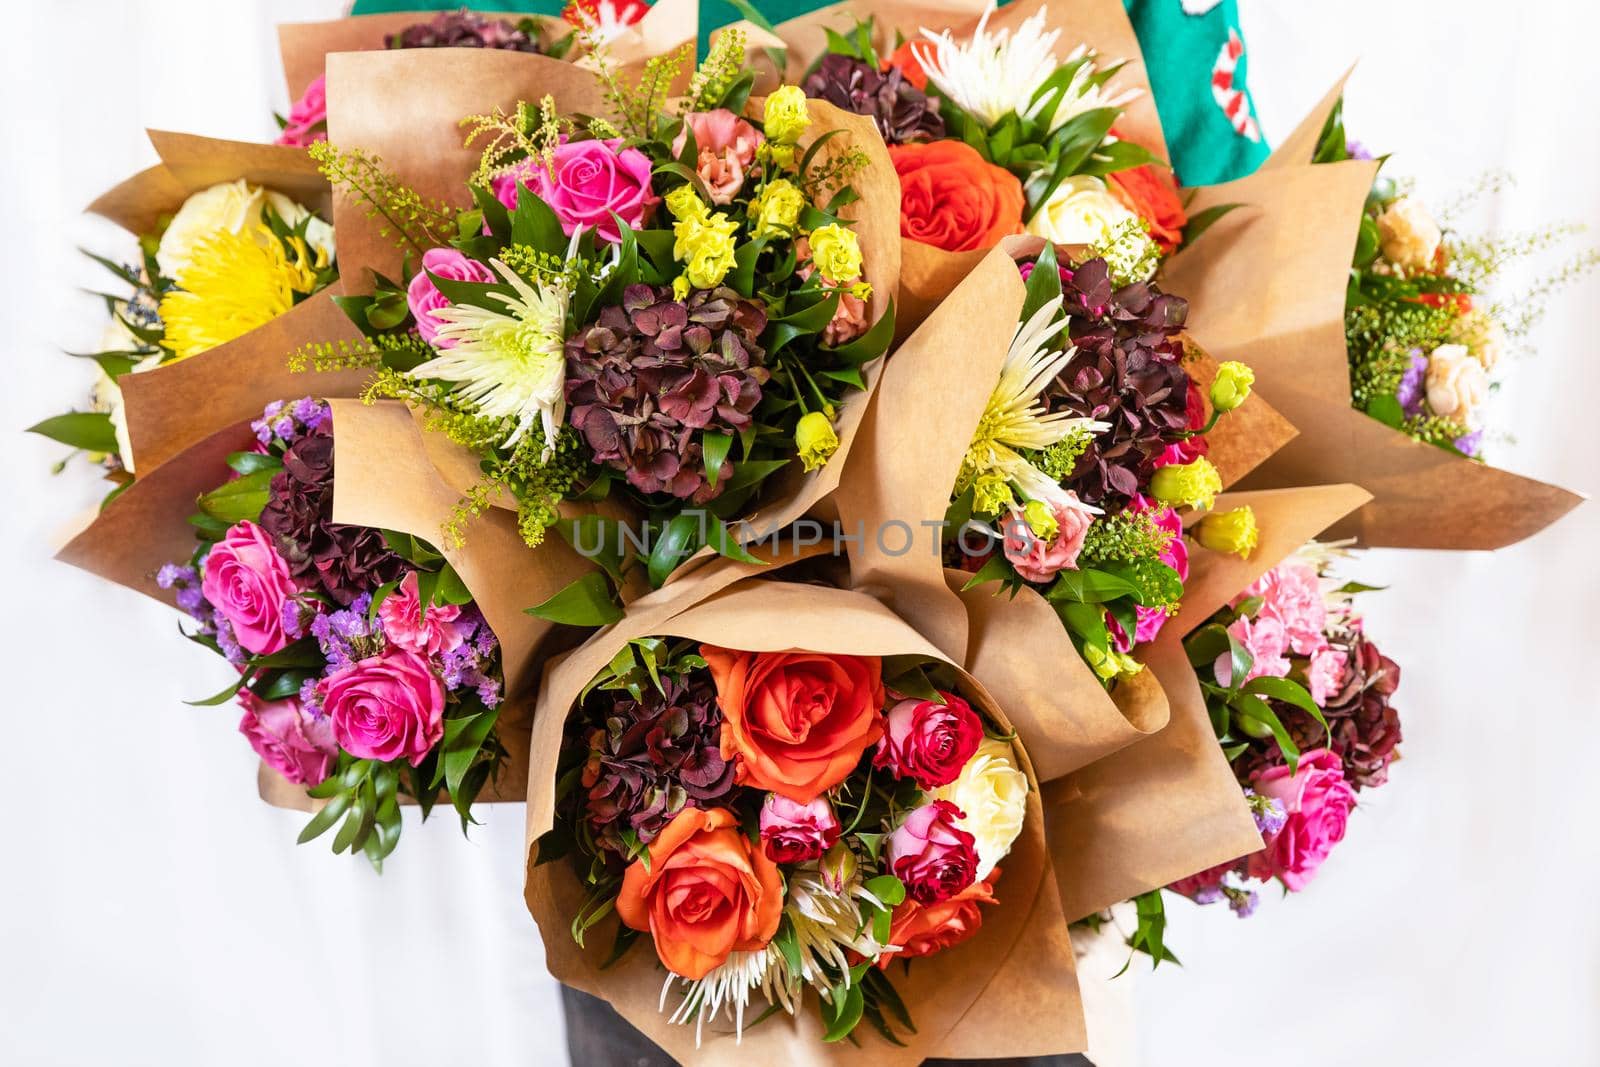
x=153 y=911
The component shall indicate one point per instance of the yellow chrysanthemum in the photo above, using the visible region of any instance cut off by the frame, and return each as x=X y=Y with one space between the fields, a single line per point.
x=232 y=283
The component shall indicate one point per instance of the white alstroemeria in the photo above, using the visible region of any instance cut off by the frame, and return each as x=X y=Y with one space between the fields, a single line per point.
x=1016 y=420
x=1081 y=93
x=992 y=73
x=509 y=364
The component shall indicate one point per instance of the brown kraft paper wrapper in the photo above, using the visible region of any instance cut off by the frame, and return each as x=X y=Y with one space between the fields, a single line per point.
x=978 y=1010
x=305 y=46
x=1169 y=806
x=1290 y=248
x=178 y=405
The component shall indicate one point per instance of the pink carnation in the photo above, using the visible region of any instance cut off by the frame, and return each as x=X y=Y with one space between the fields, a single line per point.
x=1318 y=801
x=248 y=582
x=1292 y=593
x=295 y=744
x=584 y=183
x=1264 y=638
x=1325 y=674
x=308 y=118
x=440 y=630
x=726 y=146
x=424 y=298
x=385 y=707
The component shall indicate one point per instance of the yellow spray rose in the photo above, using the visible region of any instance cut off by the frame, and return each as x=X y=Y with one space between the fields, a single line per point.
x=1232 y=385
x=684 y=203
x=816 y=440
x=1190 y=485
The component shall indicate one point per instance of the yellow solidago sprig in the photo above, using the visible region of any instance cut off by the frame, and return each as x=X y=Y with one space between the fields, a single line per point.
x=234 y=282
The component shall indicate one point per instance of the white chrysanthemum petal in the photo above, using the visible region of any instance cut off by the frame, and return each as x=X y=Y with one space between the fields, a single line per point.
x=992 y=73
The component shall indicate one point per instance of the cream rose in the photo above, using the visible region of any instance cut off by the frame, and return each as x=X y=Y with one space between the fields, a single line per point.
x=231 y=206
x=107 y=395
x=1457 y=384
x=993 y=797
x=1483 y=335
x=1080 y=212
x=1409 y=236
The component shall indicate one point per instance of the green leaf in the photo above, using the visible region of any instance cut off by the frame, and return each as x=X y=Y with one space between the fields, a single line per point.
x=585 y=602
x=251 y=462
x=323 y=820
x=847 y=1008
x=1089 y=586
x=535 y=224
x=89 y=430
x=600 y=540
x=1290 y=693
x=715 y=448
x=994 y=569
x=887 y=888
x=239 y=500
x=1253 y=709
x=675 y=543
x=1206 y=644
x=222 y=697
x=720 y=538
x=1044 y=284
x=1386 y=409
x=1201 y=221
x=463 y=738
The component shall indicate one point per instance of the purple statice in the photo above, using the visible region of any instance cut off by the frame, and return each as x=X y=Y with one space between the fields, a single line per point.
x=1356 y=150
x=1242 y=901
x=222 y=630
x=348 y=635
x=470 y=665
x=282 y=424
x=1410 y=390
x=1470 y=443
x=185 y=583
x=1269 y=813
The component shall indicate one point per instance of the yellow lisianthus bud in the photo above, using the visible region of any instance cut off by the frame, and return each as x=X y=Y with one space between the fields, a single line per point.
x=1230 y=531
x=1040 y=520
x=1108 y=663
x=1232 y=385
x=680 y=288
x=1188 y=485
x=777 y=209
x=815 y=439
x=836 y=253
x=704 y=245
x=786 y=115
x=684 y=203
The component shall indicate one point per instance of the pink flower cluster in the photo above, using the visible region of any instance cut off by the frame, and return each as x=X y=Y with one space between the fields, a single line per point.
x=1292 y=619
x=308 y=118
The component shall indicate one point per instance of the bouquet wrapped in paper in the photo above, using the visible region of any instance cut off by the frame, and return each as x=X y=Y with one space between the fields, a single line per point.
x=372 y=668
x=766 y=817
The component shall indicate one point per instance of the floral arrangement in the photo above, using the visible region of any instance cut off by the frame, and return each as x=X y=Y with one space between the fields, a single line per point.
x=233 y=257
x=365 y=671
x=668 y=307
x=997 y=134
x=1092 y=440
x=781 y=820
x=1425 y=339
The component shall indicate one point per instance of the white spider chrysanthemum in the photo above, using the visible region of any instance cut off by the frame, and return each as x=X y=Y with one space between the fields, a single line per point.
x=509 y=364
x=1082 y=94
x=1016 y=420
x=992 y=73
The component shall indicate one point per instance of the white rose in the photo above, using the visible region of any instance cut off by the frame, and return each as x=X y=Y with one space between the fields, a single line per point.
x=1457 y=384
x=231 y=207
x=993 y=794
x=1080 y=212
x=1409 y=236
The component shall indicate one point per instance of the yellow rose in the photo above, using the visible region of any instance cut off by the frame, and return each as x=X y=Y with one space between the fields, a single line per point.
x=815 y=439
x=836 y=253
x=705 y=247
x=1234 y=532
x=1189 y=485
x=777 y=209
x=786 y=115
x=993 y=797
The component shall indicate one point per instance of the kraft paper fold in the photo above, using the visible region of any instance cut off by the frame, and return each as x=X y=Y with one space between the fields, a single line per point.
x=201 y=162
x=1290 y=250
x=1297 y=149
x=305 y=46
x=177 y=404
x=945 y=992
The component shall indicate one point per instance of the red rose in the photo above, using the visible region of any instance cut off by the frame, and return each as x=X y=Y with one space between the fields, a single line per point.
x=953 y=198
x=929 y=742
x=934 y=857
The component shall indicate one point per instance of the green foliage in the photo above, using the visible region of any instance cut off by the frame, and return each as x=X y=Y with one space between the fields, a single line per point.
x=413 y=222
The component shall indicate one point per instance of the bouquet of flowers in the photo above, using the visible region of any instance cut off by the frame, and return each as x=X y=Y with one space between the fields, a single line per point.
x=629 y=31
x=667 y=307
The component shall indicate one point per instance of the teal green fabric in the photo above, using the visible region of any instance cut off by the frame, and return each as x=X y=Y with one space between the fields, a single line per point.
x=1180 y=49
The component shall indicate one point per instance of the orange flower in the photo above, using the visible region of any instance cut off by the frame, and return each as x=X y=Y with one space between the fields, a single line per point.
x=923 y=929
x=953 y=198
x=706 y=892
x=798 y=721
x=905 y=57
x=1151 y=192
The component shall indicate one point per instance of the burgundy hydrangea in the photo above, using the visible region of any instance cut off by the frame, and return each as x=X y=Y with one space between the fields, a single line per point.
x=653 y=374
x=650 y=758
x=901 y=111
x=344 y=560
x=1127 y=371
x=465 y=29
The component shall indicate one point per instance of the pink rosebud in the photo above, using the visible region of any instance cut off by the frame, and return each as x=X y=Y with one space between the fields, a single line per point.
x=248 y=582
x=424 y=298
x=1264 y=638
x=1325 y=674
x=1037 y=559
x=386 y=707
x=726 y=146
x=440 y=631
x=1318 y=802
x=288 y=739
x=308 y=117
x=929 y=742
x=792 y=832
x=585 y=182
x=934 y=857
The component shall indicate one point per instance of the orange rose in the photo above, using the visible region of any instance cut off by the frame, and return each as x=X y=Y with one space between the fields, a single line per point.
x=954 y=199
x=798 y=721
x=706 y=892
x=1151 y=192
x=905 y=57
x=923 y=929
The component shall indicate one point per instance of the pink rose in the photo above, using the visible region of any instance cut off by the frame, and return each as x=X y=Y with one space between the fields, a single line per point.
x=441 y=630
x=308 y=118
x=929 y=742
x=590 y=180
x=792 y=832
x=385 y=707
x=1039 y=560
x=295 y=744
x=1325 y=675
x=726 y=145
x=1264 y=638
x=248 y=582
x=1149 y=621
x=934 y=857
x=1318 y=801
x=1292 y=593
x=424 y=298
